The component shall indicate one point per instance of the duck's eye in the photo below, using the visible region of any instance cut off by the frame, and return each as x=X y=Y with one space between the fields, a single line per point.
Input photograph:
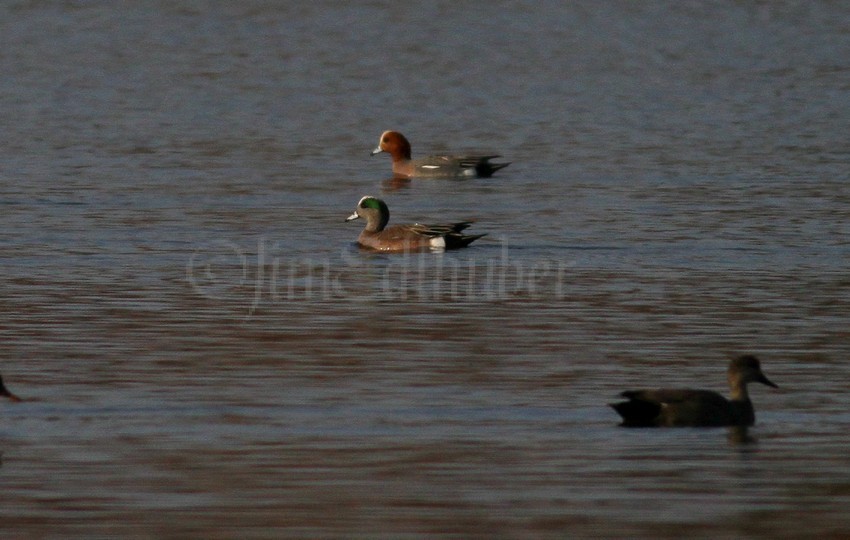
x=385 y=140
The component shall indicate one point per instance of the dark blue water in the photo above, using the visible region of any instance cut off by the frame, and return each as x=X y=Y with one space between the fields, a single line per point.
x=206 y=353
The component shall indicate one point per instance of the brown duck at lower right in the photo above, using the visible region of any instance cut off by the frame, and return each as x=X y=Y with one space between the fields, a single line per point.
x=693 y=408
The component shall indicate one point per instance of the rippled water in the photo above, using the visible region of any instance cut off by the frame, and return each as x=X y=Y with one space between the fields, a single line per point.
x=206 y=353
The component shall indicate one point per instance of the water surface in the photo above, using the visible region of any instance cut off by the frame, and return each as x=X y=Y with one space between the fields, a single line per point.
x=206 y=353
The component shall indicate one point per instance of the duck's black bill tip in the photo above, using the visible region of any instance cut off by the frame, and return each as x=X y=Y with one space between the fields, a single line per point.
x=764 y=380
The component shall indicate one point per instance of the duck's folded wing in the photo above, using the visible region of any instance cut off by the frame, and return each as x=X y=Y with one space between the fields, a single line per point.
x=438 y=230
x=685 y=407
x=673 y=395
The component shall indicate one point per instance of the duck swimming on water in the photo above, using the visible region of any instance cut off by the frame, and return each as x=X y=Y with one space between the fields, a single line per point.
x=404 y=238
x=397 y=145
x=692 y=408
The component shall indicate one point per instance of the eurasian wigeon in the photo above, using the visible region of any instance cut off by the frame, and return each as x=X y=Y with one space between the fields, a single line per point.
x=376 y=235
x=398 y=147
x=5 y=392
x=695 y=408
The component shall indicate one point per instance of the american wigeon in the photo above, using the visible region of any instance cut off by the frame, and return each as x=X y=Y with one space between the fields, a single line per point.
x=687 y=407
x=376 y=235
x=398 y=147
x=5 y=392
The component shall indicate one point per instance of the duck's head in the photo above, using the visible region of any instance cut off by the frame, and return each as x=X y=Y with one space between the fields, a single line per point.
x=746 y=369
x=395 y=144
x=374 y=211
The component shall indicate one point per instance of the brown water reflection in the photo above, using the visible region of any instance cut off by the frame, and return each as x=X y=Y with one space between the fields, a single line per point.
x=350 y=416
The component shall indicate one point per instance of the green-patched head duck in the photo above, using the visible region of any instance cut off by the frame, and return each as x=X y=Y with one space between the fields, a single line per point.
x=415 y=237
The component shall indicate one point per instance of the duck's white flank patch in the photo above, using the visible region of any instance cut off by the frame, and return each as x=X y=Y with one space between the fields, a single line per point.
x=438 y=242
x=431 y=166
